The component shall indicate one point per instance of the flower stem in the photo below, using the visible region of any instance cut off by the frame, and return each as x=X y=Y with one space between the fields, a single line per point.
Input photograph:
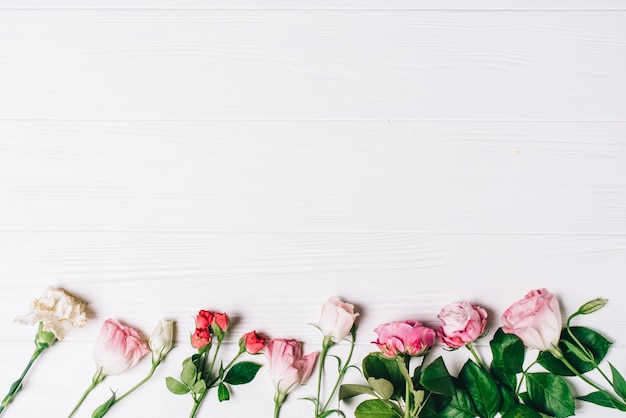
x=197 y=403
x=470 y=347
x=144 y=380
x=279 y=399
x=17 y=385
x=325 y=346
x=97 y=378
x=342 y=372
x=557 y=353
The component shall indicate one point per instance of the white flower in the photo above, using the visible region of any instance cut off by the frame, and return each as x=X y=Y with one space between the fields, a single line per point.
x=57 y=310
x=337 y=319
x=161 y=340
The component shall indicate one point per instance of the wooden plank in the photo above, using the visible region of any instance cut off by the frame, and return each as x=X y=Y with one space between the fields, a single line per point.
x=312 y=64
x=470 y=177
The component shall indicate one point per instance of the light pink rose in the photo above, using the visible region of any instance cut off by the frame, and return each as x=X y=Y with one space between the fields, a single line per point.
x=336 y=319
x=536 y=320
x=462 y=322
x=408 y=337
x=288 y=367
x=118 y=348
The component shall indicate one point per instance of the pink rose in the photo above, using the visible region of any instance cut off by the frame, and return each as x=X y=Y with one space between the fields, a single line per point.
x=117 y=348
x=252 y=342
x=336 y=319
x=200 y=338
x=536 y=320
x=204 y=319
x=463 y=323
x=288 y=367
x=221 y=320
x=408 y=337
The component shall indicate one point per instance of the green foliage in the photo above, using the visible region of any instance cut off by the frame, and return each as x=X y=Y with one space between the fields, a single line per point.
x=376 y=408
x=482 y=389
x=549 y=394
x=242 y=373
x=594 y=342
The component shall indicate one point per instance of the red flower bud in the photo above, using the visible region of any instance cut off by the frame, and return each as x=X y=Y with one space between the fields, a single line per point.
x=204 y=319
x=200 y=338
x=252 y=342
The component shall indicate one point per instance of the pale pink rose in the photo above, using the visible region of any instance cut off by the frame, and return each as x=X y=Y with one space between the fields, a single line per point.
x=336 y=319
x=462 y=322
x=288 y=367
x=536 y=320
x=407 y=337
x=118 y=348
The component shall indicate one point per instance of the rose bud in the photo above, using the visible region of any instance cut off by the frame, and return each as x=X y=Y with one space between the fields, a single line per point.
x=251 y=342
x=288 y=367
x=200 y=338
x=536 y=320
x=462 y=322
x=117 y=348
x=220 y=325
x=204 y=319
x=408 y=337
x=336 y=320
x=161 y=341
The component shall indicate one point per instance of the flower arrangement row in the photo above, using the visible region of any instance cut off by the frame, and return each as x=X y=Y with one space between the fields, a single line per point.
x=399 y=380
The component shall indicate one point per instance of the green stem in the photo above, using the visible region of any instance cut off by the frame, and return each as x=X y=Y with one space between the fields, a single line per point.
x=197 y=403
x=144 y=380
x=470 y=347
x=342 y=373
x=557 y=353
x=524 y=372
x=97 y=378
x=325 y=346
x=17 y=385
x=279 y=399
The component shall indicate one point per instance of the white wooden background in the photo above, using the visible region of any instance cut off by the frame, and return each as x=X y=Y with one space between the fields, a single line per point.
x=158 y=157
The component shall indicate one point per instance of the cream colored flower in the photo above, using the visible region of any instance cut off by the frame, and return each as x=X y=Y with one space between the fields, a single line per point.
x=58 y=310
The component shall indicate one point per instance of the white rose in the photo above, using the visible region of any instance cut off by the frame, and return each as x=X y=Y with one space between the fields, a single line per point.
x=161 y=340
x=337 y=319
x=57 y=310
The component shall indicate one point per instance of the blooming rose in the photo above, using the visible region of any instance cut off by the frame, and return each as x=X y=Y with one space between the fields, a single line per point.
x=200 y=338
x=408 y=337
x=204 y=319
x=161 y=341
x=288 y=367
x=336 y=319
x=463 y=323
x=252 y=342
x=536 y=320
x=58 y=310
x=117 y=348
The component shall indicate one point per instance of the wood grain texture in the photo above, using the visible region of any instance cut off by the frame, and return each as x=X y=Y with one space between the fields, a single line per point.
x=160 y=157
x=313 y=64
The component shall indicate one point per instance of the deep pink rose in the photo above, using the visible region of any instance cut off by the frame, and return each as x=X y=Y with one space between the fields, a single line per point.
x=408 y=337
x=252 y=342
x=118 y=348
x=462 y=322
x=288 y=367
x=204 y=319
x=200 y=338
x=536 y=320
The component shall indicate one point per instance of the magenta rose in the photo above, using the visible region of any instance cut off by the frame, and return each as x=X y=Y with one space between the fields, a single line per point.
x=288 y=367
x=536 y=320
x=462 y=322
x=118 y=348
x=408 y=337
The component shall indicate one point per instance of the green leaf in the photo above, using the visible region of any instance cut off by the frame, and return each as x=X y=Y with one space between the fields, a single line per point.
x=189 y=374
x=242 y=373
x=222 y=393
x=437 y=379
x=508 y=352
x=460 y=406
x=602 y=399
x=597 y=344
x=351 y=390
x=508 y=380
x=380 y=367
x=619 y=384
x=176 y=387
x=434 y=404
x=199 y=387
x=482 y=388
x=550 y=394
x=375 y=408
x=104 y=408
x=382 y=387
x=521 y=411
